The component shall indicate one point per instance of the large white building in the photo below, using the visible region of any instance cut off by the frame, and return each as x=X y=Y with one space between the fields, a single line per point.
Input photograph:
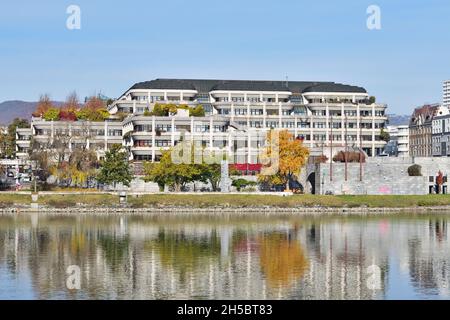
x=238 y=115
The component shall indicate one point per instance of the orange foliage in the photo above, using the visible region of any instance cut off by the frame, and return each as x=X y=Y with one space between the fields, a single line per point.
x=95 y=104
x=43 y=105
x=282 y=260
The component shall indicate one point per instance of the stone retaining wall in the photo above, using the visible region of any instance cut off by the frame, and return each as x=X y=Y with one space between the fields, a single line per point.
x=381 y=176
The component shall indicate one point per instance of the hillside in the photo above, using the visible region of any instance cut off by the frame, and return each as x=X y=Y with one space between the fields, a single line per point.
x=9 y=110
x=396 y=120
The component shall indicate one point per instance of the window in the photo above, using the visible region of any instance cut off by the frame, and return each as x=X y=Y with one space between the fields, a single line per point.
x=319 y=112
x=143 y=143
x=288 y=124
x=256 y=112
x=114 y=132
x=303 y=125
x=320 y=125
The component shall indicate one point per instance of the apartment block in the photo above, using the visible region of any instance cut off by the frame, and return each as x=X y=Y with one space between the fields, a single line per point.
x=420 y=130
x=238 y=114
x=441 y=133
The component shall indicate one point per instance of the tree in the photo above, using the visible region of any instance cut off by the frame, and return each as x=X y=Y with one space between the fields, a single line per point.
x=372 y=99
x=8 y=140
x=212 y=173
x=157 y=172
x=168 y=173
x=115 y=168
x=163 y=110
x=67 y=115
x=51 y=114
x=42 y=157
x=384 y=135
x=43 y=105
x=95 y=103
x=197 y=111
x=82 y=166
x=292 y=155
x=72 y=103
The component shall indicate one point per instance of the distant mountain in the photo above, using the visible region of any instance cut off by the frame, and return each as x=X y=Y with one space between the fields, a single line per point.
x=9 y=110
x=397 y=120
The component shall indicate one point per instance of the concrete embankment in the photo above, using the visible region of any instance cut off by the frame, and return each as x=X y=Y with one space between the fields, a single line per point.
x=218 y=211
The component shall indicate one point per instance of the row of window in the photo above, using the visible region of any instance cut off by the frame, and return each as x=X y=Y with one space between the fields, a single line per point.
x=80 y=132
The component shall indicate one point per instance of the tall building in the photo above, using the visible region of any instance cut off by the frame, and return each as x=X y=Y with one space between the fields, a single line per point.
x=441 y=133
x=446 y=94
x=237 y=116
x=420 y=130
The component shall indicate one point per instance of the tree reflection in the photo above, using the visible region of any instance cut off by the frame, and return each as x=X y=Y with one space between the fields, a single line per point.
x=115 y=249
x=282 y=259
x=184 y=253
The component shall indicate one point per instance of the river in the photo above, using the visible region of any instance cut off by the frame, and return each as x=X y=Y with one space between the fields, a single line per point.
x=47 y=256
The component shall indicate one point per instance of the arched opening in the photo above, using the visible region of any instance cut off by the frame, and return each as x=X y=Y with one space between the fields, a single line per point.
x=312 y=183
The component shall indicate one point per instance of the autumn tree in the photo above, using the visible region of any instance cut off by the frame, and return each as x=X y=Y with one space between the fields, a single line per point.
x=72 y=103
x=95 y=103
x=43 y=105
x=82 y=166
x=42 y=156
x=69 y=109
x=175 y=175
x=291 y=157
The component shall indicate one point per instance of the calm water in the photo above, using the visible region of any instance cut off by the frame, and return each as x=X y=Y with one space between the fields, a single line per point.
x=137 y=257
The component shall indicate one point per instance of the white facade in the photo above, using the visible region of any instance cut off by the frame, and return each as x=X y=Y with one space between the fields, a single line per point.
x=321 y=114
x=238 y=115
x=446 y=94
x=400 y=135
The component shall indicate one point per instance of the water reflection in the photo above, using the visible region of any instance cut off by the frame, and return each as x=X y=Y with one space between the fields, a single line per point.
x=138 y=257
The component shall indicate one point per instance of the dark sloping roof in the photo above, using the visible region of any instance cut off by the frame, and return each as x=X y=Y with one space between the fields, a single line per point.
x=251 y=85
x=204 y=86
x=334 y=87
x=424 y=113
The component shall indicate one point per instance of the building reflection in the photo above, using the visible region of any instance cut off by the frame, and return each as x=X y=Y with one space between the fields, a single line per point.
x=150 y=258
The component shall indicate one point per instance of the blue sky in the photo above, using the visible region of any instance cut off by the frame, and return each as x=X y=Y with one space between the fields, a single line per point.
x=403 y=64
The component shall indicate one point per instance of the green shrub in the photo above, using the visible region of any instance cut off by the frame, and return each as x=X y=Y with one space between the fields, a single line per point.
x=242 y=183
x=415 y=170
